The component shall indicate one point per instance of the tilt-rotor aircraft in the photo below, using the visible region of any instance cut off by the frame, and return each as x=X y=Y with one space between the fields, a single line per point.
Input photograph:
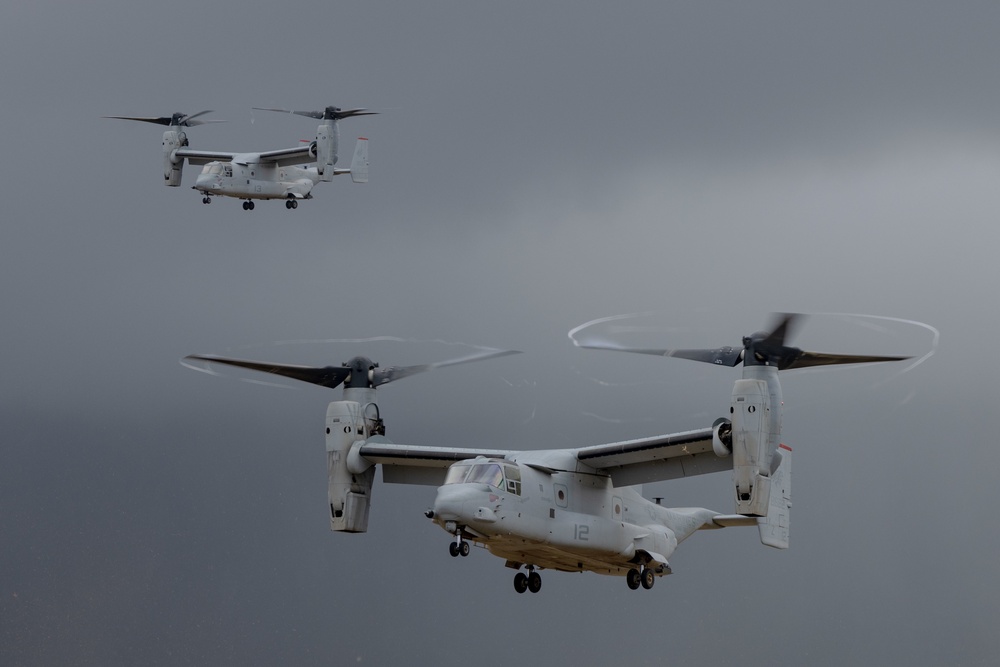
x=263 y=175
x=575 y=509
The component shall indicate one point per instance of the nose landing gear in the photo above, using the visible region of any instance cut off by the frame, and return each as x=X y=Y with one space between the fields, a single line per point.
x=206 y=200
x=459 y=547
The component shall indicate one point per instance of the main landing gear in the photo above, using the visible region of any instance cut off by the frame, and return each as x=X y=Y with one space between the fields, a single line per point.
x=291 y=203
x=248 y=205
x=528 y=582
x=646 y=578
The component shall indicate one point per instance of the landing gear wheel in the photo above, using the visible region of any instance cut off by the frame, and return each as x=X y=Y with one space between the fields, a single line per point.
x=206 y=200
x=534 y=582
x=632 y=578
x=453 y=549
x=520 y=582
x=295 y=204
x=249 y=205
x=289 y=204
x=648 y=578
x=464 y=549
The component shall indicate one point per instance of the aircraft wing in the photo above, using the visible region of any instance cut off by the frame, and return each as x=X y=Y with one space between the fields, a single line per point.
x=628 y=462
x=203 y=157
x=417 y=464
x=656 y=458
x=286 y=156
x=280 y=157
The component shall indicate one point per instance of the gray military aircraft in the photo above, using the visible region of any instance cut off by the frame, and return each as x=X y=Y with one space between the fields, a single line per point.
x=260 y=175
x=574 y=509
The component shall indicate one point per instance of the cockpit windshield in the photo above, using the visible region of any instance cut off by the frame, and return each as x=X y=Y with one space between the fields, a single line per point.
x=491 y=474
x=217 y=169
x=457 y=473
x=486 y=473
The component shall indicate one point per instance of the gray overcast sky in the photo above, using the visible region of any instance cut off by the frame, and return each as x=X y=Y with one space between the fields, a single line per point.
x=535 y=166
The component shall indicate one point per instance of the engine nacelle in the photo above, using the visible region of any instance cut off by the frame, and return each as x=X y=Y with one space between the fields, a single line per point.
x=327 y=139
x=349 y=492
x=173 y=166
x=751 y=433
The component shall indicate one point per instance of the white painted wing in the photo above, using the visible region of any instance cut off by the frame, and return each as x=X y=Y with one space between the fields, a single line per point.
x=197 y=157
x=628 y=462
x=280 y=157
x=656 y=458
x=286 y=156
x=418 y=464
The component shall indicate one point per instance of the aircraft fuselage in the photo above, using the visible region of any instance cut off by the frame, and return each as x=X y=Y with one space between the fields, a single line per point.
x=566 y=521
x=256 y=181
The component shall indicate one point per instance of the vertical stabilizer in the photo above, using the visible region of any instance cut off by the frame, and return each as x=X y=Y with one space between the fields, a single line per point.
x=359 y=163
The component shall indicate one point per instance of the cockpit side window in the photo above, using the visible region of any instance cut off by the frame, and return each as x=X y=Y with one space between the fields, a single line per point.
x=513 y=474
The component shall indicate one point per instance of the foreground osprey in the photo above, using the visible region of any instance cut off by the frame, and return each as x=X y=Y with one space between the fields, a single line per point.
x=572 y=509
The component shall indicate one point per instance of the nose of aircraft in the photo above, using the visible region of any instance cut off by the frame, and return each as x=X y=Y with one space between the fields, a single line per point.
x=205 y=182
x=457 y=502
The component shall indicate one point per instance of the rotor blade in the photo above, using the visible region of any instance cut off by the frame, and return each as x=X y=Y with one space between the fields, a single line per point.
x=392 y=373
x=159 y=120
x=350 y=113
x=720 y=356
x=807 y=359
x=329 y=376
x=783 y=329
x=319 y=115
x=310 y=114
x=767 y=348
x=178 y=119
x=188 y=119
x=192 y=123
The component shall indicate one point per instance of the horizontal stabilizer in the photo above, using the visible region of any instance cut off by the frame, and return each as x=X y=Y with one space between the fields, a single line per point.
x=730 y=520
